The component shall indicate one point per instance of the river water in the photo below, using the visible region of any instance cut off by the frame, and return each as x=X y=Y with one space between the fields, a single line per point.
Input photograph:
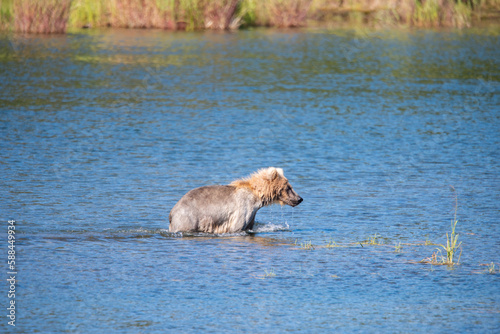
x=385 y=134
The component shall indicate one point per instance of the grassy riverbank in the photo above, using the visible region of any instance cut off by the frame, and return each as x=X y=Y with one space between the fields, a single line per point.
x=55 y=16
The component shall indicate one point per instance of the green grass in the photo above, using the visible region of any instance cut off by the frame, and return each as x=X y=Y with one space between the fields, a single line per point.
x=332 y=244
x=6 y=14
x=398 y=248
x=307 y=245
x=35 y=16
x=426 y=13
x=89 y=13
x=270 y=273
x=267 y=274
x=164 y=14
x=452 y=244
x=55 y=15
x=126 y=13
x=274 y=13
x=373 y=240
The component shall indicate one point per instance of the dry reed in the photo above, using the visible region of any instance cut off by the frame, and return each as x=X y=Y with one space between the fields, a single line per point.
x=275 y=13
x=221 y=15
x=420 y=13
x=139 y=14
x=288 y=13
x=41 y=16
x=53 y=16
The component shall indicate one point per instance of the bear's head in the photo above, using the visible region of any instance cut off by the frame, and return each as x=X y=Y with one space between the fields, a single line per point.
x=271 y=186
x=275 y=188
x=282 y=191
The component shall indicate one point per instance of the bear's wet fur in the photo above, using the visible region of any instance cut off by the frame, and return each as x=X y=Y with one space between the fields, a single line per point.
x=231 y=208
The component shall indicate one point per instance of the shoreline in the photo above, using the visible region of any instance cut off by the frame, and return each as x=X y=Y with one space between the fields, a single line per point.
x=53 y=16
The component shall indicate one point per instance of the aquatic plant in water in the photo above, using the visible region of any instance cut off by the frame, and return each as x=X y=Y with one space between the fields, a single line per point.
x=491 y=268
x=331 y=244
x=428 y=242
x=270 y=273
x=372 y=240
x=452 y=245
x=307 y=245
x=398 y=248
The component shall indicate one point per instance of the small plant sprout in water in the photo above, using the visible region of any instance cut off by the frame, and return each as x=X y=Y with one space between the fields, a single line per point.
x=331 y=244
x=307 y=245
x=452 y=245
x=270 y=273
x=398 y=248
x=491 y=268
x=372 y=240
x=267 y=274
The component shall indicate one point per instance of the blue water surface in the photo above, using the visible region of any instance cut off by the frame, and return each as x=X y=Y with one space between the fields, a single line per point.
x=387 y=135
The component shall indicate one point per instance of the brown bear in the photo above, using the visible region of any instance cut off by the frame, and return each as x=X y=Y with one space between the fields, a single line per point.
x=231 y=208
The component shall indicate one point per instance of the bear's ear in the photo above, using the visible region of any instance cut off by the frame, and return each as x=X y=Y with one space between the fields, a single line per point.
x=272 y=173
x=280 y=172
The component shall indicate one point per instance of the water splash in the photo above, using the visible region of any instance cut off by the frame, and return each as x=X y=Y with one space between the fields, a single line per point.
x=270 y=227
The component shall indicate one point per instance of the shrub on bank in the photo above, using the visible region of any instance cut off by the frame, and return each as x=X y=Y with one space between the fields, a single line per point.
x=53 y=16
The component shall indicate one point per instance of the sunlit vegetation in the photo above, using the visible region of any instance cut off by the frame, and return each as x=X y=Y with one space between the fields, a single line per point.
x=452 y=245
x=270 y=273
x=398 y=248
x=307 y=245
x=47 y=16
x=491 y=268
x=55 y=16
x=373 y=240
x=332 y=244
x=267 y=274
